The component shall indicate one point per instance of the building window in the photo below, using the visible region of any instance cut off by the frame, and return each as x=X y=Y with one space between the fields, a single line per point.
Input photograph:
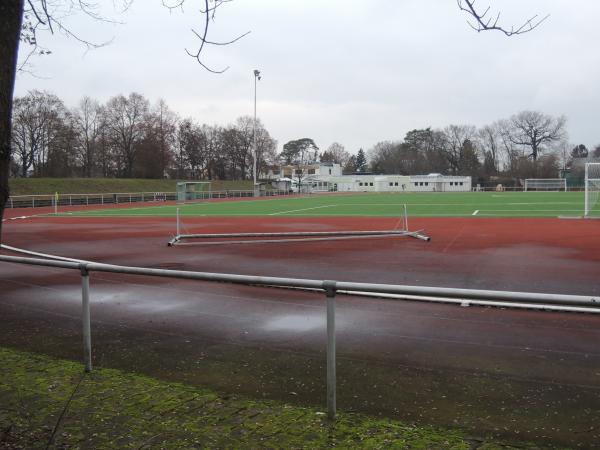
x=360 y=184
x=396 y=183
x=371 y=184
x=461 y=183
x=311 y=171
x=391 y=184
x=298 y=171
x=426 y=184
x=452 y=183
x=329 y=171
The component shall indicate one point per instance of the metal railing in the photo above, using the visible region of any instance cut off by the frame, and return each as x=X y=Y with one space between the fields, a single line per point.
x=117 y=198
x=329 y=287
x=40 y=201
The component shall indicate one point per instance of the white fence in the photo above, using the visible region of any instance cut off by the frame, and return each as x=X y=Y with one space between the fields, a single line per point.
x=327 y=287
x=40 y=201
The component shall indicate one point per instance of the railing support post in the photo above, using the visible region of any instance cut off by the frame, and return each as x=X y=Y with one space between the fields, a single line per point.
x=330 y=289
x=85 y=303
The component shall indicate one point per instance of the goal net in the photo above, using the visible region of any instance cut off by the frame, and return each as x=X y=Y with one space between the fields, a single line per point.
x=183 y=234
x=191 y=191
x=545 y=184
x=592 y=189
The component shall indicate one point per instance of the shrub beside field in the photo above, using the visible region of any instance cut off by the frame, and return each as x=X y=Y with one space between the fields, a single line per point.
x=41 y=186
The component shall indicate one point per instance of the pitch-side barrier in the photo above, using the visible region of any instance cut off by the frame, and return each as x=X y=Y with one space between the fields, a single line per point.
x=329 y=287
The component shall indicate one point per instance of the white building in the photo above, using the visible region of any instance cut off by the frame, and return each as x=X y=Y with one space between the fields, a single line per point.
x=323 y=169
x=434 y=182
x=368 y=183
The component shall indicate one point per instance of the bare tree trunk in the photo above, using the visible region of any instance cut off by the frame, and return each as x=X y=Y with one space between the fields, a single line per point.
x=11 y=16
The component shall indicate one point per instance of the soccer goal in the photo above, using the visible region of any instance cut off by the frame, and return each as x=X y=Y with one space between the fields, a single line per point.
x=191 y=191
x=545 y=184
x=592 y=189
x=182 y=234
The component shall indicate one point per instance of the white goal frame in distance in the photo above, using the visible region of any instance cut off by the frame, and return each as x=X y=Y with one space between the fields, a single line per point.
x=545 y=184
x=592 y=187
x=401 y=229
x=187 y=191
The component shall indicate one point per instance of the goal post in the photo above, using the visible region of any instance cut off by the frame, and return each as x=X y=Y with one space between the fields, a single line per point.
x=545 y=184
x=592 y=190
x=191 y=191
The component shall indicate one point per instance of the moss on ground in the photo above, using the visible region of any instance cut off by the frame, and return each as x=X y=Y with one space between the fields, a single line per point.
x=47 y=186
x=46 y=400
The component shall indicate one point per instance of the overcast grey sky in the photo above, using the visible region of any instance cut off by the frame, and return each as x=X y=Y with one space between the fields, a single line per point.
x=355 y=72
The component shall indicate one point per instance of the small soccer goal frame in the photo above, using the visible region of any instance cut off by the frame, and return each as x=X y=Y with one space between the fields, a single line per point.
x=592 y=190
x=401 y=229
x=545 y=184
x=193 y=191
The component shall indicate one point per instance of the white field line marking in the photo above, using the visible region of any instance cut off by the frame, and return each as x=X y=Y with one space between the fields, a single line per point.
x=475 y=212
x=526 y=210
x=539 y=203
x=452 y=204
x=298 y=210
x=116 y=216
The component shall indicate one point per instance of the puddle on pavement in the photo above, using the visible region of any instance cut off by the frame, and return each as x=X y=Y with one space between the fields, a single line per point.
x=295 y=322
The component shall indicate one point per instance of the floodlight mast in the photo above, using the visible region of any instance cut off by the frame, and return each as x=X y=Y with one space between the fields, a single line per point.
x=254 y=152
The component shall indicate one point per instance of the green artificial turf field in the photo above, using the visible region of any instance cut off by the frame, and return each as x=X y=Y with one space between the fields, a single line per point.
x=484 y=204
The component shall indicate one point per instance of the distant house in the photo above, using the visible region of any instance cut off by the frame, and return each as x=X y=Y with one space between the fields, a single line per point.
x=307 y=170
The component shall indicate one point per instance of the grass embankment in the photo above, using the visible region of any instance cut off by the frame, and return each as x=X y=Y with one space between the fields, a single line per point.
x=47 y=401
x=44 y=186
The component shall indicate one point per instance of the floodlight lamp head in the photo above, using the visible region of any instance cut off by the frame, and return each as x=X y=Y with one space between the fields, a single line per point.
x=257 y=73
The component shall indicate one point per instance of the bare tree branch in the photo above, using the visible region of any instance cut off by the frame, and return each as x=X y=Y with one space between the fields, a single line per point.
x=48 y=15
x=209 y=14
x=52 y=19
x=486 y=21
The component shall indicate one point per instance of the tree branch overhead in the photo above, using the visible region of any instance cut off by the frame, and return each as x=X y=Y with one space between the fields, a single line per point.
x=486 y=21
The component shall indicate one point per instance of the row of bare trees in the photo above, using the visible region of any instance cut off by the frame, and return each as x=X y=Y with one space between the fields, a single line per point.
x=127 y=137
x=528 y=144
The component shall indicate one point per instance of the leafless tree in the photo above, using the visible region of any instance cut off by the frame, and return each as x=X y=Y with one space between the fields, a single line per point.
x=456 y=135
x=159 y=141
x=509 y=152
x=488 y=139
x=336 y=153
x=266 y=147
x=38 y=118
x=215 y=165
x=535 y=131
x=88 y=124
x=387 y=157
x=192 y=145
x=485 y=20
x=563 y=152
x=125 y=120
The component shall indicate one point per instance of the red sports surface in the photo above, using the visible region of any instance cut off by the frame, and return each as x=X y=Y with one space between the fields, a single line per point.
x=521 y=374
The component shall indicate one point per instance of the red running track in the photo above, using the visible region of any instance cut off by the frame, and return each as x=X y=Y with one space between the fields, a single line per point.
x=519 y=374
